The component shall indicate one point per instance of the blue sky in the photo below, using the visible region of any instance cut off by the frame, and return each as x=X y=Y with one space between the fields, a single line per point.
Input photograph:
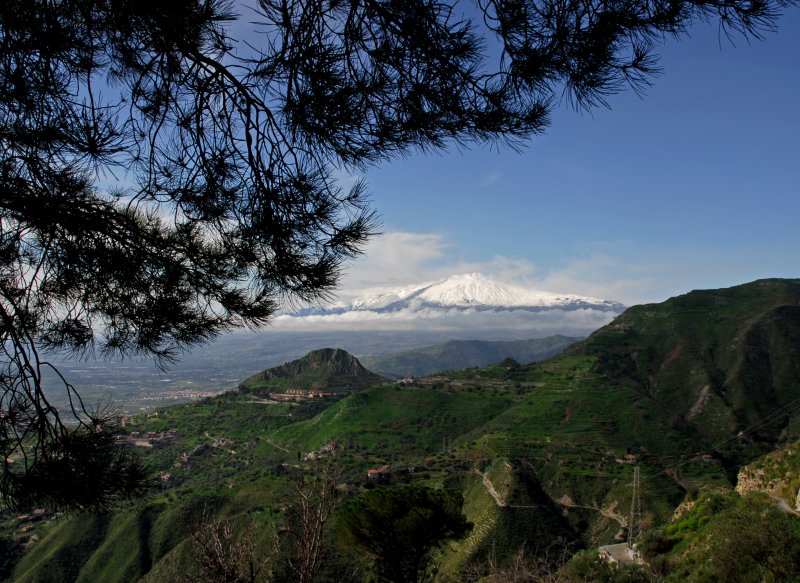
x=693 y=186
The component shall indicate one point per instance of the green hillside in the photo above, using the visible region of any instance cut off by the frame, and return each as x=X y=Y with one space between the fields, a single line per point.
x=394 y=424
x=689 y=390
x=719 y=362
x=331 y=369
x=460 y=354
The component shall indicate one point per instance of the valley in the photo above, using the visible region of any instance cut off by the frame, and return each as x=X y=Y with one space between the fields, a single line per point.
x=689 y=392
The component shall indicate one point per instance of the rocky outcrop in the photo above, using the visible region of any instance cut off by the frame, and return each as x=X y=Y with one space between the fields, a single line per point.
x=776 y=474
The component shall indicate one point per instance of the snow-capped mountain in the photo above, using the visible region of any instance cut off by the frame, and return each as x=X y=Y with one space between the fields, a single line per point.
x=473 y=292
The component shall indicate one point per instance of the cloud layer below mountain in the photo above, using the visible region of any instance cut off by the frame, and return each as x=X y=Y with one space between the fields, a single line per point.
x=514 y=322
x=461 y=302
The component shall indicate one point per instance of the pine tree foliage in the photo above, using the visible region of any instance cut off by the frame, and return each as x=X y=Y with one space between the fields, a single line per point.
x=163 y=180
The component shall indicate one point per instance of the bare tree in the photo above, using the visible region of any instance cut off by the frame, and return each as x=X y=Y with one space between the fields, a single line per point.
x=524 y=566
x=315 y=499
x=221 y=555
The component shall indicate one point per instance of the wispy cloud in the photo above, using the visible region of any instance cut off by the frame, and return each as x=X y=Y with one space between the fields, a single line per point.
x=600 y=275
x=489 y=180
x=401 y=258
x=345 y=180
x=395 y=259
x=613 y=270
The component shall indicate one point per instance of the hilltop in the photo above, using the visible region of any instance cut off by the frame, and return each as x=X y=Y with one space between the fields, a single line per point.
x=331 y=369
x=722 y=362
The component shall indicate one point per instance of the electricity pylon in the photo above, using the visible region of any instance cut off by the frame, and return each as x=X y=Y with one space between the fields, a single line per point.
x=635 y=521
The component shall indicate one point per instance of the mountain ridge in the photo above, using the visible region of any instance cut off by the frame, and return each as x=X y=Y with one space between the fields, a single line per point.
x=460 y=354
x=719 y=359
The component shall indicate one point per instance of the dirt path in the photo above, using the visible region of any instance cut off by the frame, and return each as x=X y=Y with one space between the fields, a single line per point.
x=487 y=483
x=276 y=446
x=261 y=402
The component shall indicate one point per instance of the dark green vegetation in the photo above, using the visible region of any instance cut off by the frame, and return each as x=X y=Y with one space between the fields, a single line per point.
x=331 y=369
x=460 y=354
x=542 y=453
x=588 y=566
x=397 y=528
x=715 y=363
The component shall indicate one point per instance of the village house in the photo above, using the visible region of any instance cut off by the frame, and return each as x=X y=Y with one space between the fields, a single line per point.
x=298 y=394
x=378 y=473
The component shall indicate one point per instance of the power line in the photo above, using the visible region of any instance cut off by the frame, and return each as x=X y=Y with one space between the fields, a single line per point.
x=788 y=408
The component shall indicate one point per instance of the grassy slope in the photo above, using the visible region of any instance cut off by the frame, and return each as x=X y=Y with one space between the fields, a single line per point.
x=718 y=360
x=61 y=554
x=393 y=423
x=630 y=388
x=126 y=544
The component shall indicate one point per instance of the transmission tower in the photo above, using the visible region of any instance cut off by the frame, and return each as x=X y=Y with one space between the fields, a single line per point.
x=635 y=522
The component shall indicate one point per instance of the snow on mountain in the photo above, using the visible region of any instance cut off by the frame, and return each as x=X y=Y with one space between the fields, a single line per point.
x=472 y=291
x=462 y=306
x=477 y=290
